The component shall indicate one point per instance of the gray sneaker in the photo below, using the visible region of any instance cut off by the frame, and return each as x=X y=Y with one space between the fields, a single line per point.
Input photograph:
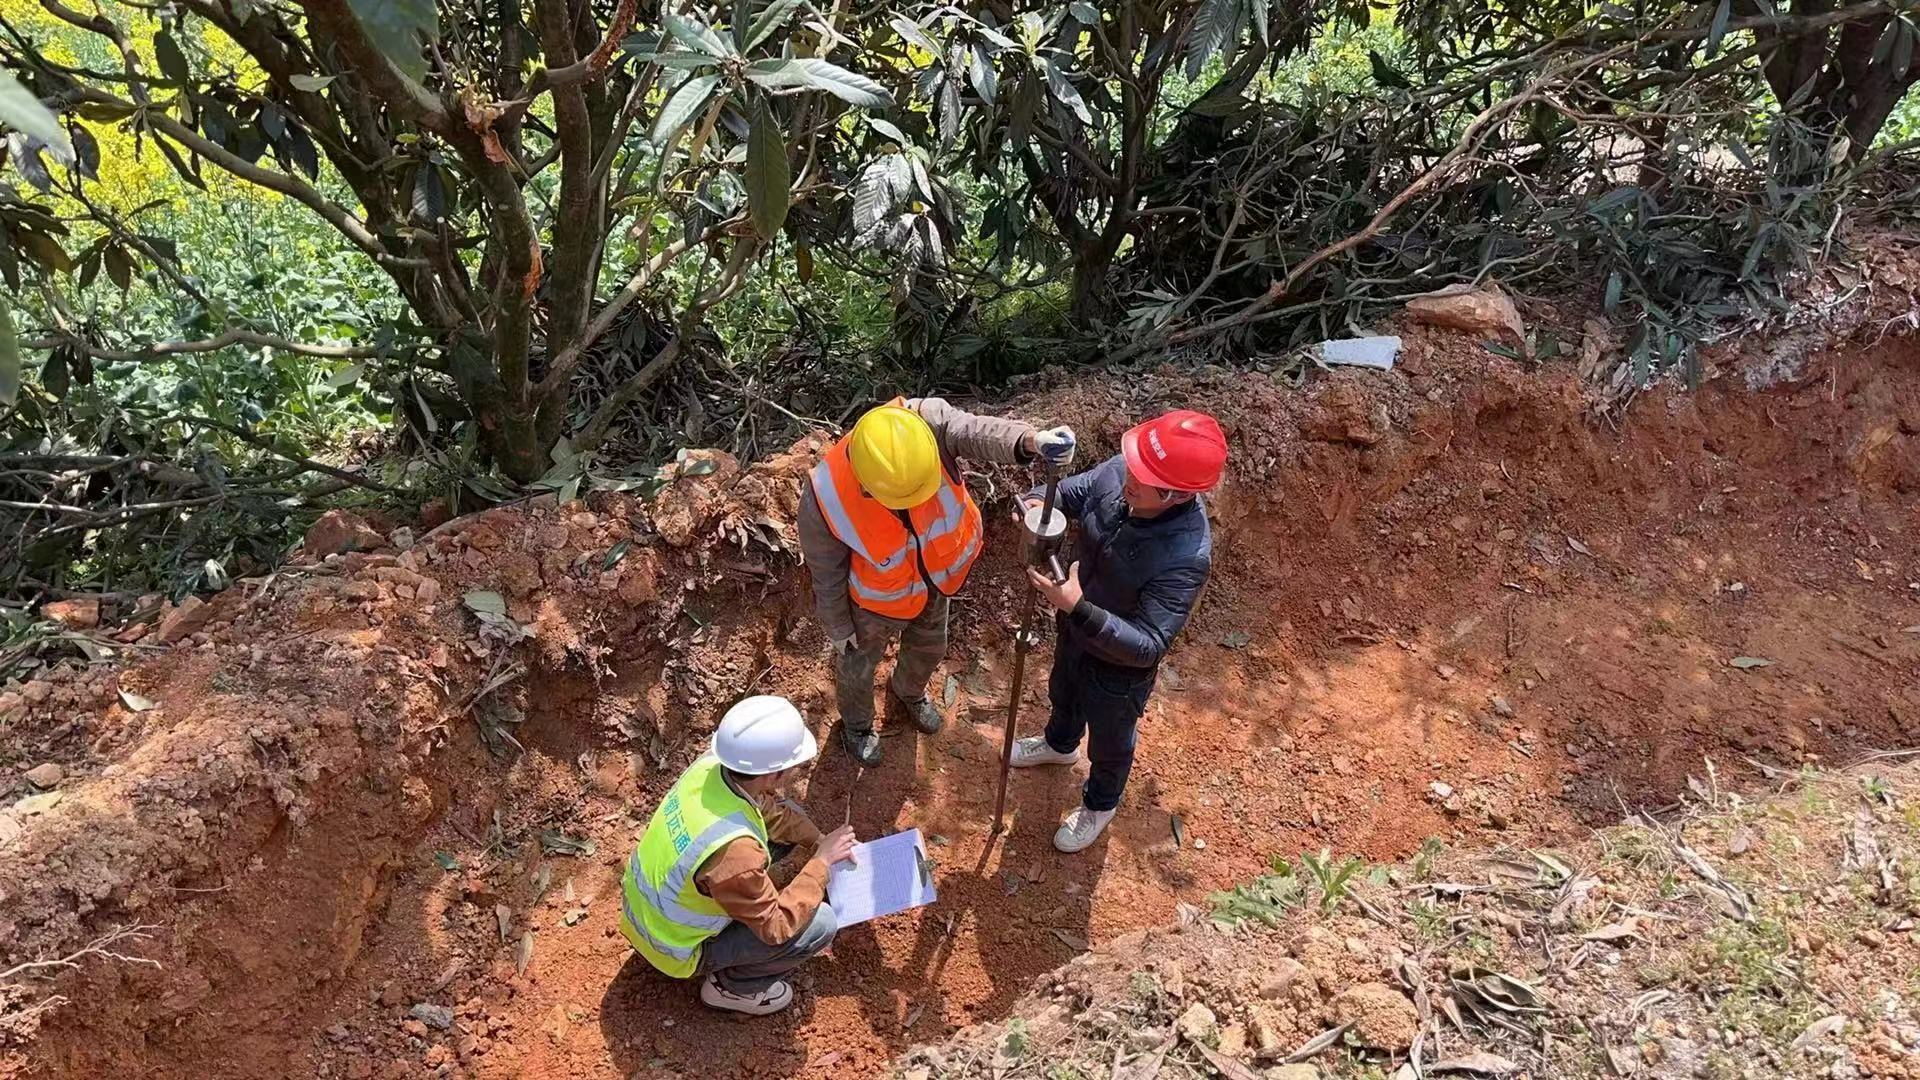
x=864 y=746
x=924 y=714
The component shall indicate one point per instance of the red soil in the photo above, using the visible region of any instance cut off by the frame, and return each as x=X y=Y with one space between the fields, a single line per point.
x=1450 y=574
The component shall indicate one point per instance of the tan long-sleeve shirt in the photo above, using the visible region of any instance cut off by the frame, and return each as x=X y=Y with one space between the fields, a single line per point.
x=736 y=877
x=960 y=434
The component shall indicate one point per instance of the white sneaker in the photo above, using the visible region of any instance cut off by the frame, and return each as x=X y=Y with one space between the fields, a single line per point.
x=1081 y=829
x=1035 y=751
x=771 y=1000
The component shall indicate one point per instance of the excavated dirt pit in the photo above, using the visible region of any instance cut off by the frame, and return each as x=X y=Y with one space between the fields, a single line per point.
x=1446 y=604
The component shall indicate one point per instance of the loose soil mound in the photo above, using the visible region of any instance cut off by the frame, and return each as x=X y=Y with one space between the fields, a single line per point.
x=1767 y=938
x=1446 y=575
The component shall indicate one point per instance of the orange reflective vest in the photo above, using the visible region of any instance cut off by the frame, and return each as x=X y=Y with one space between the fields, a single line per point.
x=892 y=565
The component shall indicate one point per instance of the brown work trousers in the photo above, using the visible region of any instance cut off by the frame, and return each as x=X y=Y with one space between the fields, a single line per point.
x=923 y=642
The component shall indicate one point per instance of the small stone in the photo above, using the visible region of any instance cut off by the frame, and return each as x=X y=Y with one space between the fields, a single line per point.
x=1196 y=1024
x=1381 y=1016
x=340 y=531
x=1199 y=844
x=46 y=775
x=1233 y=1040
x=1441 y=791
x=1446 y=671
x=414 y=1028
x=1293 y=1072
x=1502 y=707
x=436 y=1016
x=183 y=621
x=438 y=1055
x=79 y=613
x=1287 y=972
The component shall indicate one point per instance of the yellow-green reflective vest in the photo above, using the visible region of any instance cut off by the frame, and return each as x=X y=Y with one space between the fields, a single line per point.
x=663 y=913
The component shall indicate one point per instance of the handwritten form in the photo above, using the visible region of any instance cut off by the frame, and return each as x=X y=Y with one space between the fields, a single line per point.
x=886 y=875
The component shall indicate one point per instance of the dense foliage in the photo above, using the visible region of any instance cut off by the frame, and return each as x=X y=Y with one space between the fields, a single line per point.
x=534 y=241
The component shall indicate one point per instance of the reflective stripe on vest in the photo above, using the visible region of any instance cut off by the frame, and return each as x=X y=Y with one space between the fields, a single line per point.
x=886 y=575
x=664 y=915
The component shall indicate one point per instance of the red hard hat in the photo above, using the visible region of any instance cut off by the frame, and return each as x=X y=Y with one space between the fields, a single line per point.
x=1183 y=450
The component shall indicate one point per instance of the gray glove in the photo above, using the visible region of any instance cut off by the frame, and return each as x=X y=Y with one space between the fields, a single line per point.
x=1055 y=446
x=845 y=645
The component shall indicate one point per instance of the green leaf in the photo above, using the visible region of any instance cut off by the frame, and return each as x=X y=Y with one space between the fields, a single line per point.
x=1063 y=91
x=20 y=110
x=912 y=33
x=887 y=128
x=1085 y=12
x=1211 y=26
x=9 y=355
x=397 y=27
x=980 y=71
x=446 y=861
x=173 y=62
x=681 y=106
x=55 y=379
x=814 y=74
x=1719 y=28
x=1745 y=663
x=697 y=36
x=769 y=173
x=773 y=18
x=614 y=555
x=1615 y=283
x=311 y=83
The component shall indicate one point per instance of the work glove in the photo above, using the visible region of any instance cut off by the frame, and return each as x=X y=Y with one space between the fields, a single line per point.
x=843 y=646
x=1055 y=446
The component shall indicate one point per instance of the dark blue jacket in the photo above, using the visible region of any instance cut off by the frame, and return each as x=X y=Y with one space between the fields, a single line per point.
x=1140 y=578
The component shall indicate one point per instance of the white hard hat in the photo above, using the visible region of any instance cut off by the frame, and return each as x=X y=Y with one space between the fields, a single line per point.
x=763 y=734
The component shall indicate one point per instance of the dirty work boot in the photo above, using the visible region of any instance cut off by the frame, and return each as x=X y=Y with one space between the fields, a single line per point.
x=864 y=746
x=771 y=1000
x=924 y=714
x=1035 y=751
x=1081 y=829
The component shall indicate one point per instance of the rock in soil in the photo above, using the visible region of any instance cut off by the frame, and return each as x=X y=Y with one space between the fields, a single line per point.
x=1381 y=1015
x=46 y=775
x=340 y=531
x=183 y=621
x=1485 y=311
x=434 y=1016
x=80 y=613
x=1196 y=1023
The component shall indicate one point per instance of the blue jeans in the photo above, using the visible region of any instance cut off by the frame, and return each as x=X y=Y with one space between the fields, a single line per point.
x=1102 y=702
x=743 y=964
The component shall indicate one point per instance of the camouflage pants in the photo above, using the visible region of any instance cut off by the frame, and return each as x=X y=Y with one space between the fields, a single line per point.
x=923 y=642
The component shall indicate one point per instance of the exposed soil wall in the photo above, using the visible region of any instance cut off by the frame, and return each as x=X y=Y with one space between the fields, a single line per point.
x=1449 y=574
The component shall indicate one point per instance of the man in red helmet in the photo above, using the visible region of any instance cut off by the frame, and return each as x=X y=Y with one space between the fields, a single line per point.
x=1143 y=555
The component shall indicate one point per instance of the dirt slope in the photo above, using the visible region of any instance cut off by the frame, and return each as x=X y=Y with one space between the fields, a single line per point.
x=1448 y=574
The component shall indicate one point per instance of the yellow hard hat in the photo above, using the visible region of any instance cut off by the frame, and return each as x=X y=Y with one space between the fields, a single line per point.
x=895 y=457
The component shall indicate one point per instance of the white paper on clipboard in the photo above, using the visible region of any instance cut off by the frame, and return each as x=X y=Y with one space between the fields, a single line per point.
x=887 y=875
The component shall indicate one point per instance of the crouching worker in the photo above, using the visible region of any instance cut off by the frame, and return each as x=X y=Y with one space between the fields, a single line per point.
x=697 y=899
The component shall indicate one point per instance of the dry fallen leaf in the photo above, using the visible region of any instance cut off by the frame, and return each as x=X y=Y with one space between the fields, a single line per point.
x=504 y=915
x=1626 y=928
x=1071 y=942
x=1818 y=1030
x=1480 y=1063
x=1579 y=547
x=135 y=703
x=525 y=955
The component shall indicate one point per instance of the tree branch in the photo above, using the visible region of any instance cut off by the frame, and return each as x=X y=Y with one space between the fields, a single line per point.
x=164 y=349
